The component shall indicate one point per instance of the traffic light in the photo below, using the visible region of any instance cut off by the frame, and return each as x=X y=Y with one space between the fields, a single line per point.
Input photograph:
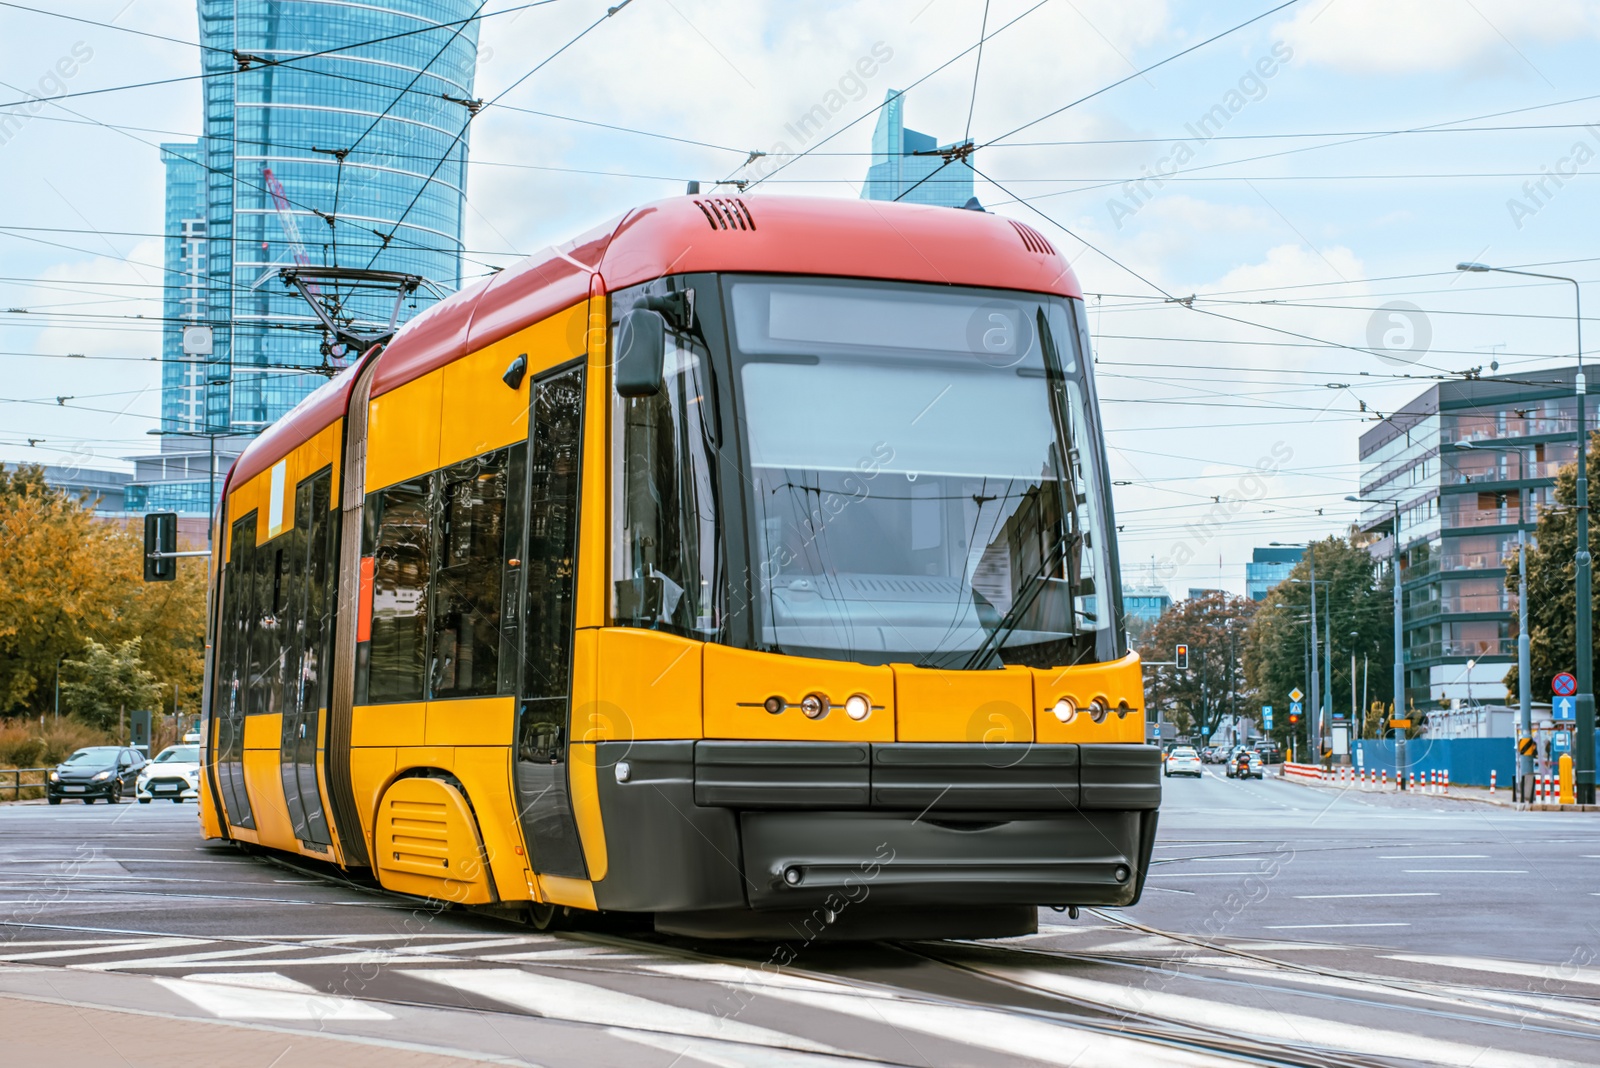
x=1294 y=719
x=1180 y=656
x=160 y=541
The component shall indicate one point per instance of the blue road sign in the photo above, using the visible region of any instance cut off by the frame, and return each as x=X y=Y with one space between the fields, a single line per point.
x=1294 y=708
x=1565 y=707
x=1266 y=717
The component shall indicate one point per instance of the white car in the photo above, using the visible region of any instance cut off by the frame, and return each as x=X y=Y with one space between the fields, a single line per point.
x=175 y=775
x=1183 y=761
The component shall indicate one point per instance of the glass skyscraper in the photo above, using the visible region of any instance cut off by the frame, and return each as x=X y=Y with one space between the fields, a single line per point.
x=335 y=135
x=906 y=164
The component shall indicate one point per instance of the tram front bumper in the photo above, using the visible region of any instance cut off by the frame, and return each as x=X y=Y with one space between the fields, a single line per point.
x=790 y=825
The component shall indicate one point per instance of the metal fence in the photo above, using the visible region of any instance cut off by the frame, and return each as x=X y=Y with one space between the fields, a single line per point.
x=16 y=785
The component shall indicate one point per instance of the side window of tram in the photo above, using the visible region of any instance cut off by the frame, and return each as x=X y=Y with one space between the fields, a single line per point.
x=399 y=544
x=471 y=509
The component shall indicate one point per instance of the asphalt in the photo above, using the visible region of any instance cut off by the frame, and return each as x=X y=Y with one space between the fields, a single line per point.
x=1282 y=924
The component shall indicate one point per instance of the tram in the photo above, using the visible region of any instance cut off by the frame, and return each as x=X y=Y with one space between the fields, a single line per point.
x=745 y=562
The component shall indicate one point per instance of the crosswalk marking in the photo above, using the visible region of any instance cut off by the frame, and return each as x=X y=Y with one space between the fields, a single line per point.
x=567 y=999
x=266 y=996
x=119 y=947
x=1564 y=973
x=1279 y=1025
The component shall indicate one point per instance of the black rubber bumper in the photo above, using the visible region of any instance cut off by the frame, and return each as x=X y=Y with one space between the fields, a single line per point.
x=781 y=825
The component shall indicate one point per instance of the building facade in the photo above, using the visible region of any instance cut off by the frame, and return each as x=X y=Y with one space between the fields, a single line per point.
x=1144 y=603
x=334 y=136
x=1267 y=568
x=907 y=165
x=1470 y=464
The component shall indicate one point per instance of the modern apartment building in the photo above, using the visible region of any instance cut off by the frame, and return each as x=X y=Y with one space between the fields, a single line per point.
x=907 y=165
x=1469 y=464
x=335 y=135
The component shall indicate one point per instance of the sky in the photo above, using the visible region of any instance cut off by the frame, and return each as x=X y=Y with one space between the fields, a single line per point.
x=1264 y=218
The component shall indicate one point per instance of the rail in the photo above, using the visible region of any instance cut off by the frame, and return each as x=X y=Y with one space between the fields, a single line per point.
x=16 y=785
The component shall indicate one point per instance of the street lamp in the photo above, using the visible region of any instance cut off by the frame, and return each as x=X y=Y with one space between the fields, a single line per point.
x=1521 y=787
x=1584 y=623
x=1399 y=637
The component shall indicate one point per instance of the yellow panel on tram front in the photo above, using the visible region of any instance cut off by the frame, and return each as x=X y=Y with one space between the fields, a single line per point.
x=647 y=686
x=934 y=705
x=1115 y=683
x=738 y=681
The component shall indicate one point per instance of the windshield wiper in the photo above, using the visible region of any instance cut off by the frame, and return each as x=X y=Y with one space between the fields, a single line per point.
x=1032 y=586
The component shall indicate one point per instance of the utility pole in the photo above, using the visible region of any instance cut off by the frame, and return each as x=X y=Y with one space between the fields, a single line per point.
x=1583 y=756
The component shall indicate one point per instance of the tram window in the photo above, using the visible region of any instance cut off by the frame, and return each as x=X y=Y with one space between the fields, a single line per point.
x=557 y=422
x=319 y=602
x=665 y=548
x=402 y=557
x=266 y=663
x=466 y=609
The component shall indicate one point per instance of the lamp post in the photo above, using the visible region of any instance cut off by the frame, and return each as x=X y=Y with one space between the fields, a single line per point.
x=1399 y=638
x=1316 y=678
x=1584 y=623
x=1522 y=786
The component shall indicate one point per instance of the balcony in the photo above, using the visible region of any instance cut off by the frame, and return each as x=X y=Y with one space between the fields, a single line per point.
x=1461 y=647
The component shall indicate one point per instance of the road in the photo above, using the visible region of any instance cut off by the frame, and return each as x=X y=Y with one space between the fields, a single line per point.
x=1283 y=924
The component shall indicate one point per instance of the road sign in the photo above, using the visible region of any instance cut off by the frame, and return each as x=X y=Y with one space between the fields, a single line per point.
x=1565 y=707
x=1564 y=684
x=1525 y=746
x=1400 y=724
x=1266 y=717
x=1294 y=706
x=1295 y=695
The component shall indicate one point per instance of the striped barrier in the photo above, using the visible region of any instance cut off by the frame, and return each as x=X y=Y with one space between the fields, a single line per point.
x=1491 y=781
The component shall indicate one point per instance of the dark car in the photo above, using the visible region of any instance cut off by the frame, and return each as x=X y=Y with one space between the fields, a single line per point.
x=108 y=771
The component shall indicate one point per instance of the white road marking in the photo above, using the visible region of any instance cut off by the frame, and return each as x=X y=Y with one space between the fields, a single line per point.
x=267 y=996
x=1566 y=973
x=1319 y=926
x=1440 y=856
x=1465 y=871
x=1203 y=874
x=1298 y=1030
x=567 y=999
x=117 y=947
x=1327 y=897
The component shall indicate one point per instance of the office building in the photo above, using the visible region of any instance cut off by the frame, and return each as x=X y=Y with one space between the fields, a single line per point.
x=1469 y=463
x=907 y=165
x=1144 y=602
x=341 y=142
x=1267 y=568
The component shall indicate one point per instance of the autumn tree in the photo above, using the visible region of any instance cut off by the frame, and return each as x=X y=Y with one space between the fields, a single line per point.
x=1213 y=626
x=68 y=578
x=1552 y=580
x=1354 y=604
x=108 y=681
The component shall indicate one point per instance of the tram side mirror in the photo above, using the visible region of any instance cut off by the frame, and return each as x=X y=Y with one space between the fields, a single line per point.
x=641 y=353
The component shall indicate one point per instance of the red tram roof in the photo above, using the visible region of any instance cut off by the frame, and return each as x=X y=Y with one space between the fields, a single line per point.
x=768 y=234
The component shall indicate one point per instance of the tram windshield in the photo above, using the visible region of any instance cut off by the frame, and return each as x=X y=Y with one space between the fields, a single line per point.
x=924 y=474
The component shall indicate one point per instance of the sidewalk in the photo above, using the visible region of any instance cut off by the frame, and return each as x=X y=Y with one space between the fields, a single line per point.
x=1500 y=797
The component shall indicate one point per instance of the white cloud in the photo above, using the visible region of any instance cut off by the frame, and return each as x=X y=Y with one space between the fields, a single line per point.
x=1405 y=36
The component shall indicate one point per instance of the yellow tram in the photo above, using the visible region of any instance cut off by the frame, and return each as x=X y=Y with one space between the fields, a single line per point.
x=744 y=562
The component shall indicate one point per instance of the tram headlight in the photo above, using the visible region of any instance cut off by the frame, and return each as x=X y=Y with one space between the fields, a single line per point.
x=1066 y=710
x=1098 y=709
x=1123 y=708
x=774 y=705
x=814 y=705
x=858 y=707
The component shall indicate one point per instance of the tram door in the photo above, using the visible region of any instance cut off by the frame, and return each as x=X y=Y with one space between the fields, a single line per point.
x=231 y=672
x=308 y=635
x=555 y=435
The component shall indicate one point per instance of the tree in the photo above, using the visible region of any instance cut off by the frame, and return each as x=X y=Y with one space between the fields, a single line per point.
x=1553 y=582
x=106 y=682
x=67 y=577
x=1354 y=594
x=1213 y=627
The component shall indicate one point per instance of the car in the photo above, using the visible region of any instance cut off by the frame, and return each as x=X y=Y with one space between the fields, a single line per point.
x=1270 y=753
x=174 y=774
x=95 y=772
x=1183 y=760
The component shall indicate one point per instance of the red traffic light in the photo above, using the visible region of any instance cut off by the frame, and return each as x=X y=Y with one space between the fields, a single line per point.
x=1294 y=717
